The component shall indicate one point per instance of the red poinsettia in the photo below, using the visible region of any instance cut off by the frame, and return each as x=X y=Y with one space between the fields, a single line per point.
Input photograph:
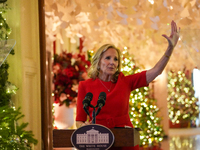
x=68 y=70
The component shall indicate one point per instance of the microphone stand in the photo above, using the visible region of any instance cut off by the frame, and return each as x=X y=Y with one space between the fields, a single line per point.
x=93 y=116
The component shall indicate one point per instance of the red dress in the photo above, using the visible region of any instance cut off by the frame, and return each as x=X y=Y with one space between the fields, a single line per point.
x=115 y=112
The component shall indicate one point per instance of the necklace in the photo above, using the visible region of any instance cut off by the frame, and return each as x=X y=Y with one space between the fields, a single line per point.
x=105 y=86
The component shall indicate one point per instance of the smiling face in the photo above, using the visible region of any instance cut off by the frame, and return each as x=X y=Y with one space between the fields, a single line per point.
x=108 y=64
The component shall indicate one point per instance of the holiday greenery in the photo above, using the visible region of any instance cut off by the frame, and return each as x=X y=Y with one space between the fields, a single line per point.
x=5 y=30
x=182 y=104
x=4 y=95
x=12 y=134
x=143 y=110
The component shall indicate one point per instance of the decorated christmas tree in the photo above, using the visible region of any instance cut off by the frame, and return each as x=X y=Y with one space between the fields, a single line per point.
x=143 y=110
x=182 y=104
x=12 y=134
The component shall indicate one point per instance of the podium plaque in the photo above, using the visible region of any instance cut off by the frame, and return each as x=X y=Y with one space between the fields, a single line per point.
x=92 y=137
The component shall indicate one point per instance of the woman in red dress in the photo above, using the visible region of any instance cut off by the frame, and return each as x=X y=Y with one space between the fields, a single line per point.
x=106 y=76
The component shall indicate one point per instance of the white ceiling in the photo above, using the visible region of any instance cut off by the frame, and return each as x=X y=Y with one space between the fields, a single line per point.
x=136 y=24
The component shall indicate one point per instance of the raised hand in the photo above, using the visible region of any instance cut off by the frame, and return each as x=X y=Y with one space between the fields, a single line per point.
x=174 y=36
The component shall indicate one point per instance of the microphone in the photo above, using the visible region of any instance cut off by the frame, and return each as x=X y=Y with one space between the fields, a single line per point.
x=101 y=101
x=86 y=102
x=87 y=99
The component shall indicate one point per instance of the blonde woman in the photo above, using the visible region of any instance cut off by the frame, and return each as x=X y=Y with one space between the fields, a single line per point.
x=106 y=76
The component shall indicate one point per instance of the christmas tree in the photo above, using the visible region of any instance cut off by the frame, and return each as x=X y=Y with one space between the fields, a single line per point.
x=182 y=104
x=12 y=134
x=143 y=110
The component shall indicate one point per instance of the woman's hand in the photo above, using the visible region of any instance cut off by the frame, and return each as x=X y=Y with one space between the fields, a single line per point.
x=80 y=123
x=174 y=36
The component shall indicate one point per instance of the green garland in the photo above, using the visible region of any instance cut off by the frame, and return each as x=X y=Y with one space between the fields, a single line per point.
x=12 y=134
x=4 y=96
x=5 y=30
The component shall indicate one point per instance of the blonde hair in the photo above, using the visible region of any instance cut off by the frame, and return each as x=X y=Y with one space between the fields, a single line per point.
x=94 y=70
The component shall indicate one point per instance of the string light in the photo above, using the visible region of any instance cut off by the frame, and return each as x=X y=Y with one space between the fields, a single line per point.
x=151 y=1
x=181 y=97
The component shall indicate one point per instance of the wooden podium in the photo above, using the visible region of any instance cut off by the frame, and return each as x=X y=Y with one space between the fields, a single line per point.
x=124 y=137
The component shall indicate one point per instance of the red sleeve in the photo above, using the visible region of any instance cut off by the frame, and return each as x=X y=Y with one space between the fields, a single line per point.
x=137 y=80
x=80 y=113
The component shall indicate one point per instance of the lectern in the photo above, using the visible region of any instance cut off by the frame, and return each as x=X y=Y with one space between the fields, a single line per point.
x=124 y=137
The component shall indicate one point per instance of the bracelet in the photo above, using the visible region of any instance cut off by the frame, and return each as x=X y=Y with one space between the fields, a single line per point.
x=167 y=56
